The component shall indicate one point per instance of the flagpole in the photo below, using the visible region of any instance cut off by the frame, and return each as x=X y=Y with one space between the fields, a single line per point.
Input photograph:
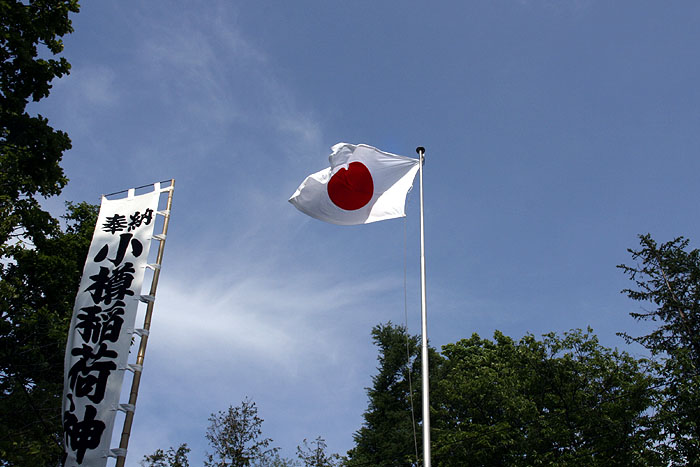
x=140 y=356
x=424 y=323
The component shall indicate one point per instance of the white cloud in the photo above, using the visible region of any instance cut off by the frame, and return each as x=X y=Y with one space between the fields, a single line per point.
x=271 y=318
x=297 y=343
x=96 y=85
x=220 y=90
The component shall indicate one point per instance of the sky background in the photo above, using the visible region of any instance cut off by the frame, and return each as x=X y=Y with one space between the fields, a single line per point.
x=555 y=133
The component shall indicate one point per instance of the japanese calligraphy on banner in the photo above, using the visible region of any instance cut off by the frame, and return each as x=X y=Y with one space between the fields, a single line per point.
x=103 y=324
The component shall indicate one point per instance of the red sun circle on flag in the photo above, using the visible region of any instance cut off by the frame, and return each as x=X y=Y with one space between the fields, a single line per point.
x=351 y=188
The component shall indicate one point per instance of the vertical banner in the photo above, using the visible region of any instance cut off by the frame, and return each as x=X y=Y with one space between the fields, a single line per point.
x=103 y=324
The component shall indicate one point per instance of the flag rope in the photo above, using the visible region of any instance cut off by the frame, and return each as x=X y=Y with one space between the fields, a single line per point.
x=408 y=351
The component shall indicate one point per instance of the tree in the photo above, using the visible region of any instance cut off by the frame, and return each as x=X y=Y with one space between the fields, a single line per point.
x=390 y=435
x=556 y=401
x=30 y=150
x=559 y=401
x=315 y=455
x=667 y=279
x=235 y=436
x=37 y=293
x=40 y=264
x=273 y=460
x=170 y=458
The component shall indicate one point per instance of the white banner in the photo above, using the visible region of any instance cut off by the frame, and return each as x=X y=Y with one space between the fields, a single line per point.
x=103 y=324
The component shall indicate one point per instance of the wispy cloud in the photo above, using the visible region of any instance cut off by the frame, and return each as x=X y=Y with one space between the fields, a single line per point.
x=237 y=314
x=270 y=319
x=218 y=339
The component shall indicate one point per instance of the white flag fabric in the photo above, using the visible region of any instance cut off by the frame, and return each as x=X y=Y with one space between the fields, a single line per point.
x=103 y=324
x=362 y=185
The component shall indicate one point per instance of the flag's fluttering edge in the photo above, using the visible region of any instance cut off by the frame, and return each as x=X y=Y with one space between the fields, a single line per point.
x=362 y=185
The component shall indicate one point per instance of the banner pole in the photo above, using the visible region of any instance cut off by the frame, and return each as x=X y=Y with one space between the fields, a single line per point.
x=424 y=324
x=136 y=381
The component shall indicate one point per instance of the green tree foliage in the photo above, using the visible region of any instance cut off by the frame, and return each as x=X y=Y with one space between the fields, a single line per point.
x=667 y=279
x=273 y=460
x=235 y=436
x=170 y=458
x=557 y=401
x=315 y=455
x=40 y=264
x=387 y=435
x=30 y=150
x=37 y=293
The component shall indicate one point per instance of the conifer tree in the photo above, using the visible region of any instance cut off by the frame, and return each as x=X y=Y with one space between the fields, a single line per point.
x=667 y=280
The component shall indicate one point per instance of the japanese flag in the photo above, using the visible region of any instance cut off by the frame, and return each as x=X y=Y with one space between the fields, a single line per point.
x=362 y=185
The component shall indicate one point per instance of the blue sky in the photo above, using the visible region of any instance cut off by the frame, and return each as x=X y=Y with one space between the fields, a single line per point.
x=556 y=131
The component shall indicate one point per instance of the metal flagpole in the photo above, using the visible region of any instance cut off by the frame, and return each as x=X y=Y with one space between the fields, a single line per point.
x=424 y=324
x=135 y=382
